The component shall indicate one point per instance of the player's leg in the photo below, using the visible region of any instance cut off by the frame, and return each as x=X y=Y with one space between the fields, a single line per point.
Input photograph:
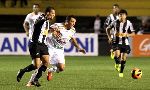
x=37 y=64
x=57 y=62
x=21 y=72
x=123 y=62
x=117 y=60
x=30 y=67
x=126 y=50
x=42 y=68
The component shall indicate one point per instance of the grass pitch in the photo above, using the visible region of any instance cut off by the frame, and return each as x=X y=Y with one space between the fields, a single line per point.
x=81 y=73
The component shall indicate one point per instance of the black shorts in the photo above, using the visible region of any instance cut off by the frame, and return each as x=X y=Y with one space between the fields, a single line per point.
x=114 y=46
x=37 y=50
x=124 y=48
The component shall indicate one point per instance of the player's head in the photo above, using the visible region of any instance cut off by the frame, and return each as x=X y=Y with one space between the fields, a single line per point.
x=36 y=8
x=70 y=21
x=122 y=14
x=50 y=13
x=116 y=8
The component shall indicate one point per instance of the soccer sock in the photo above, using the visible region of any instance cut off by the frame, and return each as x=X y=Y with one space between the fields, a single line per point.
x=117 y=61
x=53 y=69
x=122 y=66
x=33 y=75
x=29 y=68
x=39 y=74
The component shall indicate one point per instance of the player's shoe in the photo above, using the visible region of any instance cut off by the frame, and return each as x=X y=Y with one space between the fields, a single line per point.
x=36 y=83
x=30 y=84
x=19 y=75
x=121 y=75
x=117 y=67
x=112 y=55
x=49 y=75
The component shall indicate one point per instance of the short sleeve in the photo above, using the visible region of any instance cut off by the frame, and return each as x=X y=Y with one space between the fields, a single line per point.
x=27 y=19
x=131 y=27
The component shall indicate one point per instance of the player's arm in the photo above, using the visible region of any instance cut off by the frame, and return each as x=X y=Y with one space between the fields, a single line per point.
x=108 y=29
x=55 y=30
x=107 y=22
x=74 y=41
x=26 y=24
x=131 y=29
x=26 y=27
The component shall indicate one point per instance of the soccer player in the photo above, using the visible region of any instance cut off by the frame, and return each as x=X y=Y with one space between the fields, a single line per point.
x=38 y=48
x=29 y=28
x=123 y=30
x=56 y=43
x=112 y=17
x=30 y=20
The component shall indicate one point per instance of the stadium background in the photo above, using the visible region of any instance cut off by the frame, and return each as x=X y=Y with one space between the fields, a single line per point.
x=82 y=73
x=11 y=18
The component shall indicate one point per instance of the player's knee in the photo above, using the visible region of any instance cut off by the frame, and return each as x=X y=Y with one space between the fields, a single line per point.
x=61 y=69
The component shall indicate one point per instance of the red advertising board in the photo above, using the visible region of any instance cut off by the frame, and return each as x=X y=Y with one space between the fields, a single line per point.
x=141 y=45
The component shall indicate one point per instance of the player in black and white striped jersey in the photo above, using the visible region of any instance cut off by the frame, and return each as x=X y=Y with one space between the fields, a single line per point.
x=108 y=21
x=38 y=48
x=123 y=30
x=112 y=17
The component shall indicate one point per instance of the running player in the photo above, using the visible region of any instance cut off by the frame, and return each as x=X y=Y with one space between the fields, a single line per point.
x=56 y=44
x=38 y=48
x=112 y=17
x=124 y=30
x=29 y=28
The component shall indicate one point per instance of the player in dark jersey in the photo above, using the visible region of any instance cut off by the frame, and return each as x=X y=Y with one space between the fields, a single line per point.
x=123 y=30
x=38 y=48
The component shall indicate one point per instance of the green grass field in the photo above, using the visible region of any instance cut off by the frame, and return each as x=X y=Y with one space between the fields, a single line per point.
x=81 y=73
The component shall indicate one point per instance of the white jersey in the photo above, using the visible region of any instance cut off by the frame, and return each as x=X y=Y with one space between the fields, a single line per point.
x=65 y=37
x=31 y=18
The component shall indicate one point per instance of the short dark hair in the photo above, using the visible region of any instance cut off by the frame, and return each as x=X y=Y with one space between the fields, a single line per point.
x=68 y=18
x=116 y=5
x=36 y=4
x=123 y=11
x=48 y=9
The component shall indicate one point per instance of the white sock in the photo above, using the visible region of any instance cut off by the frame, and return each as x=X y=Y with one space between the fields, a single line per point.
x=33 y=75
x=53 y=69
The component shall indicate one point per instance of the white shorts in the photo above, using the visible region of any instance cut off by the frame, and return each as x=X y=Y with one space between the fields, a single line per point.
x=56 y=55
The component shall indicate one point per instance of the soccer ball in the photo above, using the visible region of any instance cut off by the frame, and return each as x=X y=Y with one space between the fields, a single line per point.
x=136 y=73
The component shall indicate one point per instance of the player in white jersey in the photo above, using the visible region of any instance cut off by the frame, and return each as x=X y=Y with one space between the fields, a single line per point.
x=56 y=43
x=29 y=28
x=30 y=20
x=124 y=30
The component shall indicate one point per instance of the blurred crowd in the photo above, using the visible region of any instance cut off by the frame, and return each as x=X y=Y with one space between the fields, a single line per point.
x=23 y=3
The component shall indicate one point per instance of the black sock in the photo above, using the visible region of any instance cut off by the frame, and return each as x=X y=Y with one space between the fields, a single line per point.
x=39 y=74
x=29 y=68
x=117 y=61
x=122 y=66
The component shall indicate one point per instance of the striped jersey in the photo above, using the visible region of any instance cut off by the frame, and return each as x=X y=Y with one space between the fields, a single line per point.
x=108 y=21
x=41 y=28
x=65 y=36
x=31 y=18
x=124 y=28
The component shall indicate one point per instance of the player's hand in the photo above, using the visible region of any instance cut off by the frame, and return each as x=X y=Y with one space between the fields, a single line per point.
x=82 y=50
x=124 y=35
x=57 y=34
x=121 y=34
x=27 y=33
x=109 y=40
